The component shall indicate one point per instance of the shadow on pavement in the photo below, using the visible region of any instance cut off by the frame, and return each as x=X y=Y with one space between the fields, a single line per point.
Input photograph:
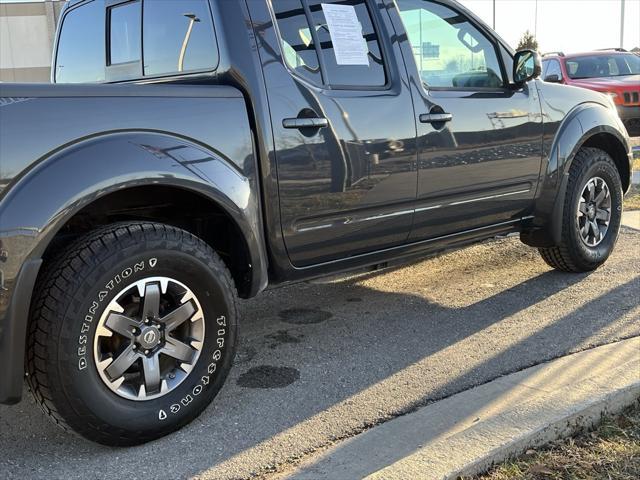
x=363 y=351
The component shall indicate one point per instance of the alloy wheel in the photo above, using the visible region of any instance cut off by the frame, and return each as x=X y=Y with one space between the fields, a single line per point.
x=594 y=211
x=149 y=338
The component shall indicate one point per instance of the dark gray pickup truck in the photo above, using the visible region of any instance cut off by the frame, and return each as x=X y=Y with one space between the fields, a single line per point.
x=194 y=152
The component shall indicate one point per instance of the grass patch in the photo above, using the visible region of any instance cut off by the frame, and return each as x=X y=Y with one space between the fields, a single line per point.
x=632 y=198
x=610 y=452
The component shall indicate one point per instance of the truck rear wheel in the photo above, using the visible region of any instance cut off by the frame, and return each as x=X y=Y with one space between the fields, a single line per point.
x=132 y=333
x=591 y=215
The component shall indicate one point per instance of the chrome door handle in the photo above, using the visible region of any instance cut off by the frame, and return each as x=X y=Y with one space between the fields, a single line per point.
x=435 y=117
x=298 y=123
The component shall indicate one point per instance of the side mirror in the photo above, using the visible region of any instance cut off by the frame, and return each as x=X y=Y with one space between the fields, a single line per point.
x=553 y=78
x=526 y=66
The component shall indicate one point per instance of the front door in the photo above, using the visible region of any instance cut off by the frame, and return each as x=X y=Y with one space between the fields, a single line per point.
x=344 y=127
x=480 y=138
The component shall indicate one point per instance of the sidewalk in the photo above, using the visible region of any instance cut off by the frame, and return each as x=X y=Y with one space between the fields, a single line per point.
x=631 y=219
x=468 y=432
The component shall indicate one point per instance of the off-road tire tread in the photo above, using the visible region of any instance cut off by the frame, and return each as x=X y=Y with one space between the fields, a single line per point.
x=55 y=278
x=563 y=256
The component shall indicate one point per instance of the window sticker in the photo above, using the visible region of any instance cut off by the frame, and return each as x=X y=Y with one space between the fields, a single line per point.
x=345 y=30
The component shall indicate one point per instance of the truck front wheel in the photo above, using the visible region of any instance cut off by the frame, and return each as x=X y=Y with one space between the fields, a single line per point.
x=132 y=333
x=591 y=215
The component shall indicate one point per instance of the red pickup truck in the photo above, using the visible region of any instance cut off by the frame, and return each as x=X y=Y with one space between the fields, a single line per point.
x=615 y=72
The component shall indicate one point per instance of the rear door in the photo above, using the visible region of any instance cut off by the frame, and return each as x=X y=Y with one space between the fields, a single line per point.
x=343 y=124
x=480 y=138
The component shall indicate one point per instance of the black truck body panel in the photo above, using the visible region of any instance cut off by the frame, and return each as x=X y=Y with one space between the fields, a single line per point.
x=376 y=186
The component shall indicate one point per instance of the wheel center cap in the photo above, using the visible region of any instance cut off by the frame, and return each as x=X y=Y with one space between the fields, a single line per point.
x=149 y=337
x=591 y=212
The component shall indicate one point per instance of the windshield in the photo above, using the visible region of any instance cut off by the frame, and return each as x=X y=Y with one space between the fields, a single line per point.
x=594 y=66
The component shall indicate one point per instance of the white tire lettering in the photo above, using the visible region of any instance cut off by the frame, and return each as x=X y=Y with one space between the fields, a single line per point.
x=211 y=369
x=95 y=305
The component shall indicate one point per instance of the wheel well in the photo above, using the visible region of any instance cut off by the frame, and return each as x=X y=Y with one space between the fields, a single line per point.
x=615 y=149
x=172 y=206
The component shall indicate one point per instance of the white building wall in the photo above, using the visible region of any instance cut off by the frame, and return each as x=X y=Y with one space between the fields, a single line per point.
x=27 y=31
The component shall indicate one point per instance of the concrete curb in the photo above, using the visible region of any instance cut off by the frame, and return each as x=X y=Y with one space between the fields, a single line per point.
x=566 y=426
x=631 y=219
x=467 y=433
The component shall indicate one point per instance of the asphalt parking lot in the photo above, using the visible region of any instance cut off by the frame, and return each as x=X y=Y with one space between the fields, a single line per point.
x=322 y=362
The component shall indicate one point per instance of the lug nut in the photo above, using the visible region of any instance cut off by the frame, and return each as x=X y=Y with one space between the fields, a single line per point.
x=146 y=352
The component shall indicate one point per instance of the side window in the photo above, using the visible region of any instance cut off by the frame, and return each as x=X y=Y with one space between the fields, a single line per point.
x=298 y=47
x=449 y=51
x=102 y=41
x=178 y=37
x=308 y=30
x=124 y=33
x=81 y=53
x=613 y=67
x=572 y=68
x=363 y=70
x=552 y=67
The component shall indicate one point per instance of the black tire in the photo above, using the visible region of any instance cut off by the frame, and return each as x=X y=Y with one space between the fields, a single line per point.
x=73 y=292
x=573 y=254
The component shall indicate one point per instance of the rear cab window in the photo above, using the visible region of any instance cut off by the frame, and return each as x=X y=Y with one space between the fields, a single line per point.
x=178 y=37
x=308 y=30
x=107 y=40
x=81 y=46
x=124 y=33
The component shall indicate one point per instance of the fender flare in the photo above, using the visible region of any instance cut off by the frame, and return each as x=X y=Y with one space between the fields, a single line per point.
x=95 y=167
x=580 y=125
x=80 y=174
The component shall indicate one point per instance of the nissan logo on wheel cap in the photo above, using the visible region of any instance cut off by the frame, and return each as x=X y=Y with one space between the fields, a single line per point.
x=150 y=337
